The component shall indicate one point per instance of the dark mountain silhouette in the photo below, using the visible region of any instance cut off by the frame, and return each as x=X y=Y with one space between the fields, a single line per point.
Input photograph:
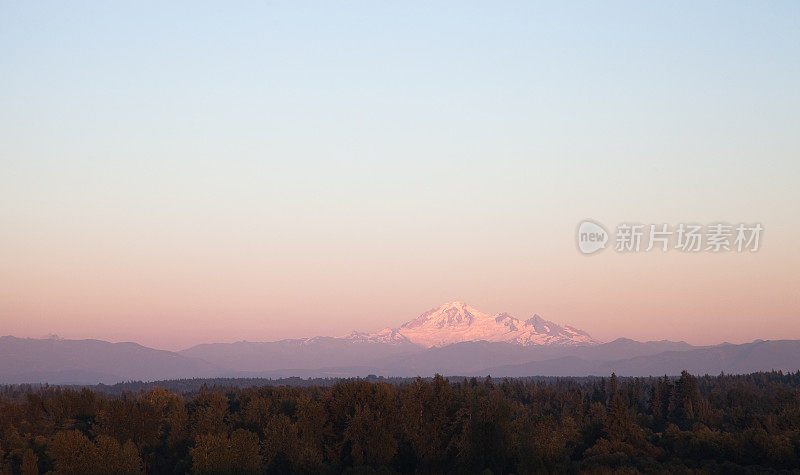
x=732 y=359
x=55 y=360
x=58 y=361
x=311 y=353
x=348 y=357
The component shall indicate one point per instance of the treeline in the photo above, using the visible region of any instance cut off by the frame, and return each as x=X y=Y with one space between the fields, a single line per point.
x=192 y=385
x=714 y=424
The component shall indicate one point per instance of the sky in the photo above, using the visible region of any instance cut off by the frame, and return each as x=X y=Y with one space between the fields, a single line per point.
x=174 y=173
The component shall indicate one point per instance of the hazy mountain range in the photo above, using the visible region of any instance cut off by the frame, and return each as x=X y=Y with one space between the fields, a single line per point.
x=453 y=339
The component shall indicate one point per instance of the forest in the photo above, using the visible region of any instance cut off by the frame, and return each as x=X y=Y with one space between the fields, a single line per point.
x=689 y=424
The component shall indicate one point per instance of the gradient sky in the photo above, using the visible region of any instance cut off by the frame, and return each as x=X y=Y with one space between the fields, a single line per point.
x=176 y=173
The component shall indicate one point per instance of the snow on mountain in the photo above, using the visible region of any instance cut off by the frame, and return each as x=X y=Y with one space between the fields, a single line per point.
x=456 y=322
x=387 y=335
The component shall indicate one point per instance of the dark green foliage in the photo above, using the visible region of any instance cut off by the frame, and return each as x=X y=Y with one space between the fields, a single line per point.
x=720 y=424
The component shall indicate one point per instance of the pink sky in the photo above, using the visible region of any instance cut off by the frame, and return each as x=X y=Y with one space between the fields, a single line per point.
x=274 y=171
x=172 y=296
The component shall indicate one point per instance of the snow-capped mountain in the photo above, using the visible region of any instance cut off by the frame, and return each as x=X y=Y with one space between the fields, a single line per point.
x=456 y=322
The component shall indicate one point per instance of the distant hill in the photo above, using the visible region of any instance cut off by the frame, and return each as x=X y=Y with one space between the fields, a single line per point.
x=59 y=361
x=342 y=357
x=305 y=354
x=732 y=359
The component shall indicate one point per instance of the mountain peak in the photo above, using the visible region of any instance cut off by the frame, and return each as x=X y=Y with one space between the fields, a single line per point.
x=450 y=315
x=456 y=321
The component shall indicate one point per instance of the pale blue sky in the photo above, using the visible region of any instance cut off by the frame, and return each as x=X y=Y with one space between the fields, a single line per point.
x=395 y=139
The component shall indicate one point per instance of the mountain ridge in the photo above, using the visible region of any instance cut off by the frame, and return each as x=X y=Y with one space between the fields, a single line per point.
x=27 y=360
x=58 y=360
